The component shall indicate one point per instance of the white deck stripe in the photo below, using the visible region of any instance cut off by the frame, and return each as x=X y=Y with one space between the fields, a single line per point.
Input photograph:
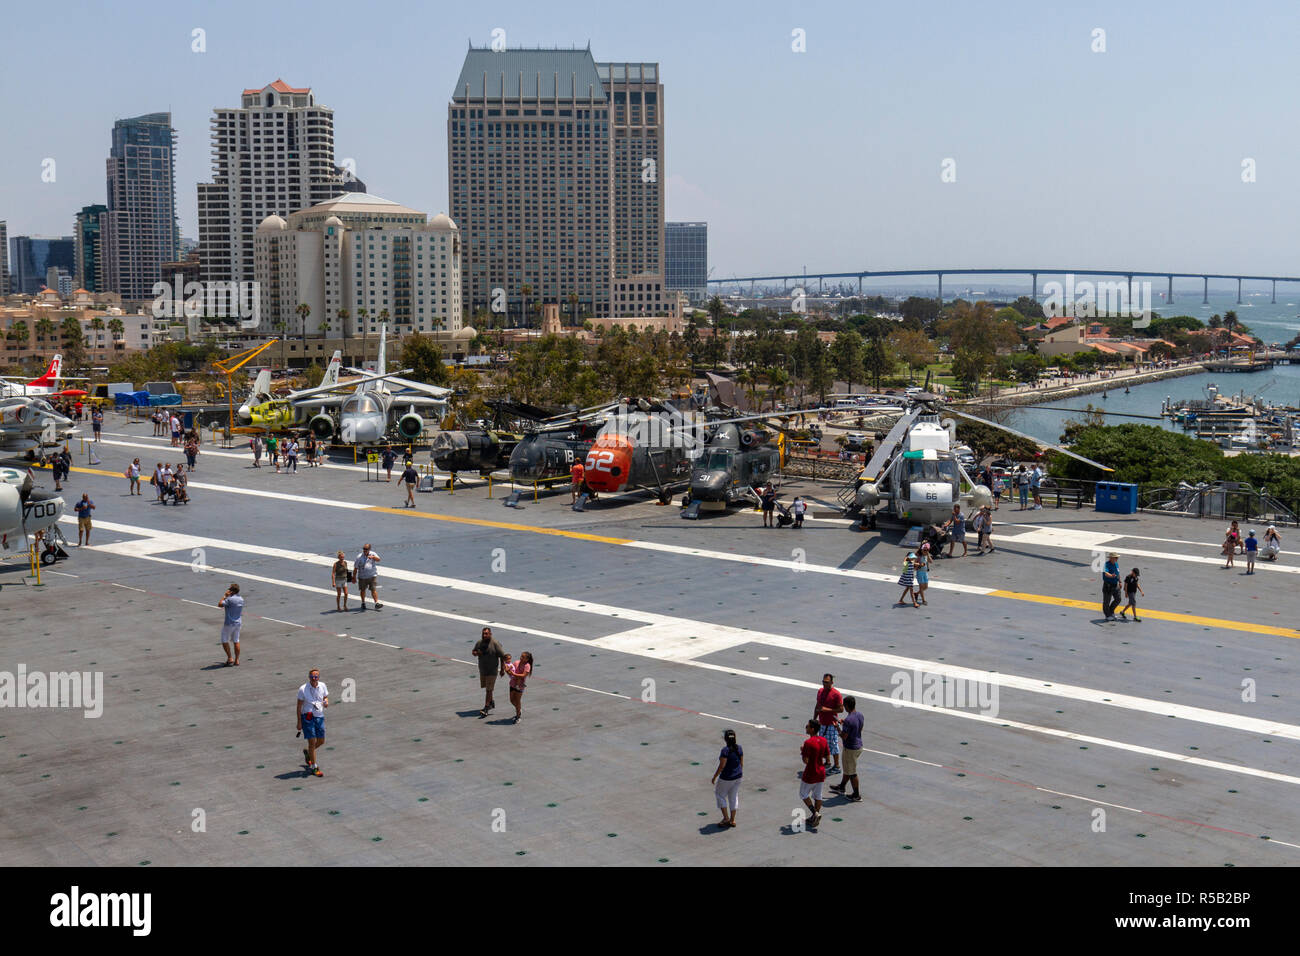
x=638 y=646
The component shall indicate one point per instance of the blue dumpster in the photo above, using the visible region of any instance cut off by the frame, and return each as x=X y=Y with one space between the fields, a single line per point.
x=189 y=420
x=1117 y=498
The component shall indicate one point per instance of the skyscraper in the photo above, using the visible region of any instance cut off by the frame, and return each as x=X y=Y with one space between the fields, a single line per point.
x=87 y=238
x=272 y=156
x=139 y=231
x=555 y=173
x=686 y=259
x=33 y=256
x=4 y=259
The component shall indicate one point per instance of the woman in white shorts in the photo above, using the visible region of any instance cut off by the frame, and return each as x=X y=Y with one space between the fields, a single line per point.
x=726 y=779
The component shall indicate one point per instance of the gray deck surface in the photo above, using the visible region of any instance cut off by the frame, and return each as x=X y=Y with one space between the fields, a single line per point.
x=595 y=774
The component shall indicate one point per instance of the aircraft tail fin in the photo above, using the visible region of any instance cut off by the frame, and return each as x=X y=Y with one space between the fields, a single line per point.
x=331 y=376
x=51 y=377
x=383 y=344
x=262 y=384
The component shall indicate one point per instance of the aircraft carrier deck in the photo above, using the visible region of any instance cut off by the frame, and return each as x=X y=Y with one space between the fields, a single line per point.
x=1167 y=742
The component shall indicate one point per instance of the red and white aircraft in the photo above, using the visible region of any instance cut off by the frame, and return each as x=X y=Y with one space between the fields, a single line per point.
x=47 y=384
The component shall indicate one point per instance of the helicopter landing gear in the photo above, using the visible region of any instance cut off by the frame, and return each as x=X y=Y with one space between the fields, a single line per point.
x=665 y=497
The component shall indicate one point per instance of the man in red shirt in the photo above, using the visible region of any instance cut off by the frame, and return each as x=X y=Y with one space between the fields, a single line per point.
x=815 y=753
x=578 y=474
x=829 y=706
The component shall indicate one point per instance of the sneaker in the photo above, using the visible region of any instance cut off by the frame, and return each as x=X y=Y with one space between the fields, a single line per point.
x=855 y=797
x=316 y=772
x=378 y=605
x=814 y=821
x=832 y=770
x=838 y=787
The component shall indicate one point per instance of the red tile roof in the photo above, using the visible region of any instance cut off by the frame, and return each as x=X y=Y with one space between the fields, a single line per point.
x=280 y=87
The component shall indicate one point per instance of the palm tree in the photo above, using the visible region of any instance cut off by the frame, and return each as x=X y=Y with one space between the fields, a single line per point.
x=18 y=332
x=573 y=307
x=280 y=325
x=526 y=290
x=304 y=312
x=362 y=315
x=45 y=328
x=117 y=329
x=344 y=315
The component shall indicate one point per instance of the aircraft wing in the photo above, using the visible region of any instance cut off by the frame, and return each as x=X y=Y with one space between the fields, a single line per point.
x=343 y=386
x=418 y=401
x=1036 y=441
x=321 y=401
x=435 y=390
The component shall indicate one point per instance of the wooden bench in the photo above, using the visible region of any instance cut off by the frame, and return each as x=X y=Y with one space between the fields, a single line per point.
x=1073 y=495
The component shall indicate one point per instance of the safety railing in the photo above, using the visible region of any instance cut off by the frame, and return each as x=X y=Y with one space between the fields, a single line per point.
x=1224 y=500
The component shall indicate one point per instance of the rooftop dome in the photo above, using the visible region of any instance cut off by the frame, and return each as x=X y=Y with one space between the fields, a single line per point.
x=441 y=221
x=334 y=221
x=271 y=224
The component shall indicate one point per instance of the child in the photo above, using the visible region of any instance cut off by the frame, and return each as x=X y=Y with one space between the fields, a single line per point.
x=798 y=507
x=905 y=582
x=518 y=676
x=923 y=572
x=1252 y=548
x=1230 y=547
x=1132 y=588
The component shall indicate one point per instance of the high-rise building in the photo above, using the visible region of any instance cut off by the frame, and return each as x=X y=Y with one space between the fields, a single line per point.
x=636 y=167
x=555 y=173
x=686 y=259
x=271 y=156
x=528 y=142
x=4 y=259
x=139 y=231
x=358 y=252
x=31 y=258
x=89 y=259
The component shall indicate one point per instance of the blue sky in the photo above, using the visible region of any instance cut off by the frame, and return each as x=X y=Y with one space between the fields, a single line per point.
x=829 y=158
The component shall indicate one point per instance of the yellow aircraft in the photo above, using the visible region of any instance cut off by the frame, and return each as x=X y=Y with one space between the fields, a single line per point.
x=280 y=413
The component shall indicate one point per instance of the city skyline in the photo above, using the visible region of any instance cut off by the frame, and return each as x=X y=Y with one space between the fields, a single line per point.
x=830 y=158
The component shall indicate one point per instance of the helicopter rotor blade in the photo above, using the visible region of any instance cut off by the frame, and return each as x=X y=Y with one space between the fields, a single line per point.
x=1036 y=441
x=892 y=441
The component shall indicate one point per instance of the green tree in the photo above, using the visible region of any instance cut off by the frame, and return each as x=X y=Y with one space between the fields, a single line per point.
x=19 y=332
x=914 y=348
x=847 y=353
x=74 y=342
x=424 y=358
x=304 y=311
x=877 y=361
x=344 y=315
x=525 y=290
x=968 y=366
x=117 y=329
x=45 y=332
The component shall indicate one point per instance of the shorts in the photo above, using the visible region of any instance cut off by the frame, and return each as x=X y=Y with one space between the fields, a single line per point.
x=363 y=583
x=810 y=790
x=851 y=761
x=313 y=727
x=83 y=524
x=922 y=577
x=727 y=793
x=832 y=735
x=230 y=633
x=487 y=681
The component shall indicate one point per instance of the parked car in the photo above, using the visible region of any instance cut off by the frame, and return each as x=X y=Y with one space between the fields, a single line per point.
x=855 y=441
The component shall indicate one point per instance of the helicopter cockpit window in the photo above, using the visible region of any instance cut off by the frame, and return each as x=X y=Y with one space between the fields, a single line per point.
x=922 y=470
x=719 y=461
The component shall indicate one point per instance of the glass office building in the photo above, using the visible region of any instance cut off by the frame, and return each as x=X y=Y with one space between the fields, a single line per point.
x=31 y=258
x=140 y=232
x=687 y=257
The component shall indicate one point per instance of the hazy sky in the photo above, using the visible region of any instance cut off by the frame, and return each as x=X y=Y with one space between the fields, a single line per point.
x=829 y=158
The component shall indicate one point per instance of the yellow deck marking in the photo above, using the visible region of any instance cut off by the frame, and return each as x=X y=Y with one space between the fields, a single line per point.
x=1158 y=615
x=1247 y=627
x=484 y=523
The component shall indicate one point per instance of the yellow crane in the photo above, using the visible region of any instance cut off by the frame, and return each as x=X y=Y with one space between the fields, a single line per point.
x=232 y=364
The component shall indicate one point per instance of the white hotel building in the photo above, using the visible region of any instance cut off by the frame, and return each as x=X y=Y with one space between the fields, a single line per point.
x=355 y=252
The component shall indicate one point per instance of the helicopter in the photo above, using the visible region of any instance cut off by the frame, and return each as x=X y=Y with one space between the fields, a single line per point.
x=914 y=476
x=485 y=450
x=24 y=509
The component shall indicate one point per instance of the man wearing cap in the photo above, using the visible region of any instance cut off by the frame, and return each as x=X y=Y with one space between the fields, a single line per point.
x=1110 y=586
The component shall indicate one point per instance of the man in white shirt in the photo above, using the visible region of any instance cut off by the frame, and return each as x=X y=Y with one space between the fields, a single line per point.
x=367 y=572
x=313 y=698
